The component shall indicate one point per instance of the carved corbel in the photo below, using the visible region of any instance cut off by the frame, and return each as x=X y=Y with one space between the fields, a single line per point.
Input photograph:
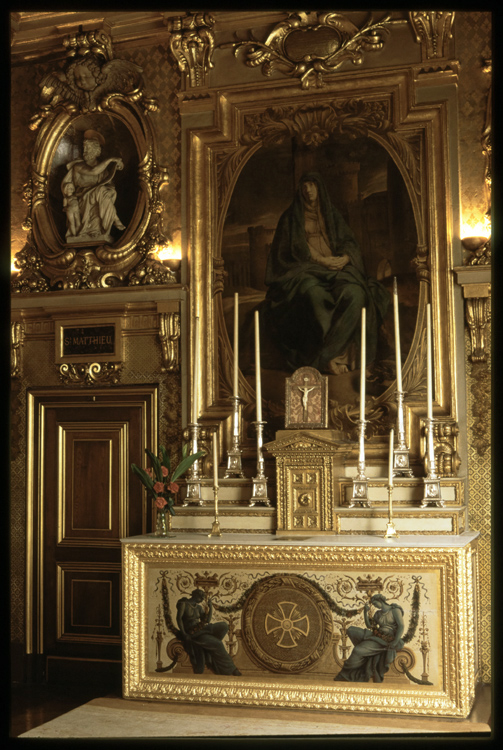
x=432 y=29
x=192 y=42
x=16 y=343
x=420 y=262
x=169 y=334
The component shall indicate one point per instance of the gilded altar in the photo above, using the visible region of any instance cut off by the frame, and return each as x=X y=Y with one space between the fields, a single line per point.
x=280 y=617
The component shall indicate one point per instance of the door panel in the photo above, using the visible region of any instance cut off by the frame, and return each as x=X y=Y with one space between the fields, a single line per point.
x=82 y=503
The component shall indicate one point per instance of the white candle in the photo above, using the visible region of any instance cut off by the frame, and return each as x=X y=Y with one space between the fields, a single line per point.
x=397 y=338
x=215 y=461
x=257 y=368
x=362 y=365
x=236 y=344
x=390 y=467
x=429 y=386
x=195 y=389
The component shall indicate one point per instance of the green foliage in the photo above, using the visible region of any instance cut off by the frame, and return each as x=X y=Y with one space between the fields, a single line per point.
x=185 y=464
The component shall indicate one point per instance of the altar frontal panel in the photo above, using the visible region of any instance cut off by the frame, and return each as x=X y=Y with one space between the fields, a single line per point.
x=340 y=628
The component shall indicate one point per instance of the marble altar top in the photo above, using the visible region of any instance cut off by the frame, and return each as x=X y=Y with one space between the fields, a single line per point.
x=330 y=540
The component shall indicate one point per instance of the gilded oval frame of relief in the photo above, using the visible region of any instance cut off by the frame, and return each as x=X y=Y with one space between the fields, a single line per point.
x=105 y=99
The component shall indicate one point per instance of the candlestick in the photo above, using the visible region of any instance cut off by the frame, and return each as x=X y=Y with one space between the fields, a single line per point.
x=390 y=467
x=429 y=384
x=195 y=389
x=259 y=494
x=398 y=356
x=215 y=461
x=236 y=344
x=215 y=528
x=362 y=365
x=257 y=368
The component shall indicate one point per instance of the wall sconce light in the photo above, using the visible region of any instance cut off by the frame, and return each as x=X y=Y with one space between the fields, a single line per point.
x=169 y=254
x=477 y=241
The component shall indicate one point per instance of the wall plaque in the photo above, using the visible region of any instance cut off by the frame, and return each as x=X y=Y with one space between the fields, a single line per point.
x=79 y=340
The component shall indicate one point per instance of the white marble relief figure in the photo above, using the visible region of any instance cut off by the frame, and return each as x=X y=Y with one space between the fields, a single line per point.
x=89 y=194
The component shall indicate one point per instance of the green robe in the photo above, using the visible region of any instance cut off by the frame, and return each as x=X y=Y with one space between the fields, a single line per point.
x=312 y=312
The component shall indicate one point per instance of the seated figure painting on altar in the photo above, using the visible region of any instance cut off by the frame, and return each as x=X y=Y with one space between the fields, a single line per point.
x=311 y=237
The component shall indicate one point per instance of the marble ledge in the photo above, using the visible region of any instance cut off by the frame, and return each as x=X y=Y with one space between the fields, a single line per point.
x=330 y=540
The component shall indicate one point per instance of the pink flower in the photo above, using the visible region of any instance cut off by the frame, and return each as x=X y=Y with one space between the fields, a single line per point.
x=173 y=487
x=165 y=471
x=159 y=487
x=160 y=502
x=150 y=473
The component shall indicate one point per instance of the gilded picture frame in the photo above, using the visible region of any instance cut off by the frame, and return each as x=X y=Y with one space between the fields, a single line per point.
x=374 y=107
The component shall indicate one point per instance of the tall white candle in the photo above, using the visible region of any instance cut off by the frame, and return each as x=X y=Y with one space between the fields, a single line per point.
x=257 y=367
x=397 y=338
x=215 y=461
x=236 y=344
x=390 y=465
x=429 y=359
x=362 y=365
x=195 y=389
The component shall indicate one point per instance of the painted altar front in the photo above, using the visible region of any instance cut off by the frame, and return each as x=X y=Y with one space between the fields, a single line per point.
x=330 y=622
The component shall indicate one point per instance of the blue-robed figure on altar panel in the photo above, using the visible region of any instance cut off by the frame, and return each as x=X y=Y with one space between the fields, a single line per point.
x=317 y=286
x=376 y=645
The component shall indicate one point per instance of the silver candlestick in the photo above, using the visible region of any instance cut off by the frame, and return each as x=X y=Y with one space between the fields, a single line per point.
x=259 y=494
x=401 y=467
x=432 y=493
x=360 y=482
x=234 y=468
x=194 y=480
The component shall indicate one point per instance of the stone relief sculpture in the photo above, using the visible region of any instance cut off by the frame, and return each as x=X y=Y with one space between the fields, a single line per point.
x=89 y=193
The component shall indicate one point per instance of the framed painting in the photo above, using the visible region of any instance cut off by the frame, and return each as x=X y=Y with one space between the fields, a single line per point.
x=379 y=163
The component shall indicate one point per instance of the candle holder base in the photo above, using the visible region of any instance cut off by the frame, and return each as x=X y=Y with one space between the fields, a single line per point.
x=259 y=494
x=391 y=532
x=215 y=529
x=401 y=467
x=432 y=493
x=360 y=494
x=193 y=496
x=234 y=467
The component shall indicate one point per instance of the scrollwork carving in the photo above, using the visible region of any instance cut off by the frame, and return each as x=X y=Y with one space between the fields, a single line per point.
x=16 y=343
x=309 y=45
x=192 y=42
x=96 y=373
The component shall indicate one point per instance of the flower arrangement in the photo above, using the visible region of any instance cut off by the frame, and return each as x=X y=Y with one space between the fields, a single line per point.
x=160 y=481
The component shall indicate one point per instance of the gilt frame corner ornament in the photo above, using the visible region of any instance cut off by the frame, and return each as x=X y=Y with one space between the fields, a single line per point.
x=85 y=229
x=309 y=45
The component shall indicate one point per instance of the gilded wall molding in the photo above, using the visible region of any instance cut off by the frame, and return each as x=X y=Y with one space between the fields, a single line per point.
x=309 y=45
x=445 y=435
x=95 y=373
x=192 y=42
x=432 y=30
x=93 y=99
x=169 y=334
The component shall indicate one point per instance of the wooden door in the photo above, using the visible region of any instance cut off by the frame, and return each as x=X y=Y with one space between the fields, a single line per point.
x=81 y=502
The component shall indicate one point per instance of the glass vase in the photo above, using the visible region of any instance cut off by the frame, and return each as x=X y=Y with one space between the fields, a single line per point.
x=163 y=523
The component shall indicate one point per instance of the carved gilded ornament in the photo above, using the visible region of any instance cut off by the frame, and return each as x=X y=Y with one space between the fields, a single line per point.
x=432 y=29
x=192 y=42
x=94 y=95
x=310 y=45
x=95 y=373
x=169 y=334
x=17 y=336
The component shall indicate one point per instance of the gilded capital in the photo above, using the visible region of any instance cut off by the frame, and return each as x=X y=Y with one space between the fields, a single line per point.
x=192 y=42
x=432 y=29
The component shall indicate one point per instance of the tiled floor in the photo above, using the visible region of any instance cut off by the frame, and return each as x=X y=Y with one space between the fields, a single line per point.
x=105 y=715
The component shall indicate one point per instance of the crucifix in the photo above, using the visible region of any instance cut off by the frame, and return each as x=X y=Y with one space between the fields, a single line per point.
x=306 y=399
x=305 y=391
